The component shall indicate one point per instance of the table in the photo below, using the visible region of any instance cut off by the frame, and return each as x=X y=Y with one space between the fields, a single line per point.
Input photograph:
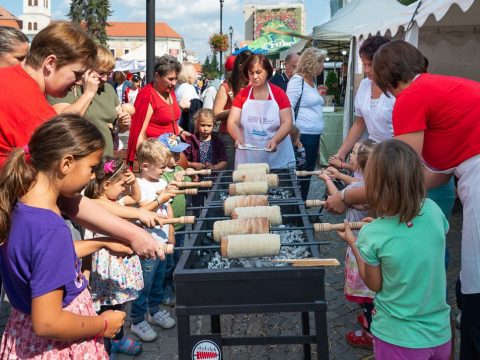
x=332 y=136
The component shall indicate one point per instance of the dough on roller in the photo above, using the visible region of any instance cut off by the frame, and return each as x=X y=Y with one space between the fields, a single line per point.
x=232 y=202
x=271 y=212
x=271 y=179
x=253 y=245
x=240 y=226
x=248 y=188
x=254 y=166
x=237 y=174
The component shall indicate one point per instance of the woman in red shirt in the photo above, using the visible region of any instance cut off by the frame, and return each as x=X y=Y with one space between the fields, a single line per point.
x=156 y=106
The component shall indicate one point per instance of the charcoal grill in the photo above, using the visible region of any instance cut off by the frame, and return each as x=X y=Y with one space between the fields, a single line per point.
x=237 y=290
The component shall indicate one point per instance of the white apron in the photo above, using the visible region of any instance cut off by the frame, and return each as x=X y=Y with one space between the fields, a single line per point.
x=260 y=121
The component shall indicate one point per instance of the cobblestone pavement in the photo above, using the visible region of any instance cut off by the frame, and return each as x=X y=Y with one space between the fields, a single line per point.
x=340 y=316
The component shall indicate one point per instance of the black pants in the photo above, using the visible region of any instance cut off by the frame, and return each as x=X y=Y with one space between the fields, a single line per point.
x=311 y=143
x=469 y=325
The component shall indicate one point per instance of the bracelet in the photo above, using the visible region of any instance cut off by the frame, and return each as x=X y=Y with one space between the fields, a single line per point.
x=343 y=196
x=158 y=201
x=180 y=133
x=101 y=333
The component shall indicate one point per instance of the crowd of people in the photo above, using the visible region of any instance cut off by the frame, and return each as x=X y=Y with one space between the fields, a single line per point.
x=60 y=180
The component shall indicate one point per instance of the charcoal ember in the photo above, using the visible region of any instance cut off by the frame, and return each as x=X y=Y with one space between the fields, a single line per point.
x=279 y=193
x=223 y=195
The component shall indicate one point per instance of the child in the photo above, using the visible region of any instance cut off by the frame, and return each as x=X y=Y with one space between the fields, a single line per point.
x=299 y=149
x=153 y=157
x=355 y=289
x=401 y=255
x=53 y=315
x=339 y=164
x=132 y=91
x=179 y=204
x=114 y=280
x=206 y=150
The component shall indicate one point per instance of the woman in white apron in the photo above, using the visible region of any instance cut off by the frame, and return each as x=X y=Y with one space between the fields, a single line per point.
x=261 y=118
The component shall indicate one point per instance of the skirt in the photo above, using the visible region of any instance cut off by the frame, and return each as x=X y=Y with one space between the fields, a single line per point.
x=20 y=342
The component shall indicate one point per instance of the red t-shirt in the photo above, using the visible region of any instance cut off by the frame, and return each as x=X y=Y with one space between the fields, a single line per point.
x=164 y=117
x=23 y=107
x=447 y=109
x=228 y=105
x=280 y=97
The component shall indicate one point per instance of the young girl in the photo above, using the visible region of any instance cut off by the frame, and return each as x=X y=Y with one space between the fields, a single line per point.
x=53 y=315
x=401 y=255
x=355 y=289
x=115 y=281
x=206 y=150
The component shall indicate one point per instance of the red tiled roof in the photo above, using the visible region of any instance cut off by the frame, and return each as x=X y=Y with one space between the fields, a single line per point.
x=198 y=68
x=138 y=29
x=7 y=19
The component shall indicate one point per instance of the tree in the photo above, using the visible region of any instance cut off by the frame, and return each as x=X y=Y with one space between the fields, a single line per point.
x=210 y=68
x=331 y=83
x=92 y=15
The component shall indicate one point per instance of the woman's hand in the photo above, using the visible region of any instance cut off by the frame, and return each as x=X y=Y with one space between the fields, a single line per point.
x=115 y=320
x=118 y=249
x=333 y=172
x=335 y=204
x=124 y=120
x=335 y=161
x=90 y=81
x=184 y=104
x=347 y=234
x=184 y=135
x=338 y=156
x=271 y=145
x=324 y=176
x=239 y=140
x=130 y=177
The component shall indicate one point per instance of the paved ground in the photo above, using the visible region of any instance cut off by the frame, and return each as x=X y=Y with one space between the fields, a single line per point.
x=340 y=316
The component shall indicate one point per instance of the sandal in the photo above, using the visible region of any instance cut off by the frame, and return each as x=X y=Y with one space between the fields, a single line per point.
x=362 y=320
x=360 y=338
x=126 y=346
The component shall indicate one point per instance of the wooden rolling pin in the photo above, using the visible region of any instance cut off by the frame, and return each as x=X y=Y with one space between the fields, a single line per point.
x=233 y=202
x=321 y=227
x=308 y=173
x=309 y=262
x=186 y=184
x=237 y=174
x=248 y=188
x=179 y=220
x=224 y=228
x=271 y=179
x=273 y=213
x=254 y=166
x=252 y=245
x=192 y=191
x=313 y=203
x=190 y=172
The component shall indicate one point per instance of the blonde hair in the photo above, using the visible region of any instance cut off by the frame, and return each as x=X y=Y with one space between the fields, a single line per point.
x=208 y=113
x=394 y=181
x=311 y=62
x=152 y=151
x=188 y=71
x=105 y=60
x=67 y=41
x=364 y=151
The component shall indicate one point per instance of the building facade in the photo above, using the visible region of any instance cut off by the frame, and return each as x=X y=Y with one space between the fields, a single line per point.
x=36 y=15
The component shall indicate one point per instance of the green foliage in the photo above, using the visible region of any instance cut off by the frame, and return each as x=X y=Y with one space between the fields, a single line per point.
x=406 y=2
x=332 y=85
x=210 y=68
x=218 y=42
x=93 y=15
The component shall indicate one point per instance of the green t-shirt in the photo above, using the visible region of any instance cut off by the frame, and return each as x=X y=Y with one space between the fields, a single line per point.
x=179 y=202
x=411 y=308
x=101 y=111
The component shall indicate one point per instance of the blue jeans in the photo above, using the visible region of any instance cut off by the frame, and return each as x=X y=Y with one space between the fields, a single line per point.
x=311 y=143
x=150 y=297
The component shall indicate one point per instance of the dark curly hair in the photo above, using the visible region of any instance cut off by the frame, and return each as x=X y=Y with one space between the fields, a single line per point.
x=110 y=169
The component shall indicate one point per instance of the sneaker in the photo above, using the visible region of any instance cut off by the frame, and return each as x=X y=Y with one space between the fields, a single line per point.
x=169 y=301
x=360 y=338
x=144 y=331
x=162 y=318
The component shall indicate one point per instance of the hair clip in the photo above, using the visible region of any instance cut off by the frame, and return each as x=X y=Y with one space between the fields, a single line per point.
x=109 y=167
x=26 y=152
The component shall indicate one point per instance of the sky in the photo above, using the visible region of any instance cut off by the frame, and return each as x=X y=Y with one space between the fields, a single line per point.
x=195 y=20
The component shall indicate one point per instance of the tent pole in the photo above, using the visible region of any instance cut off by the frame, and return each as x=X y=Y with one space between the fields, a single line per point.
x=150 y=39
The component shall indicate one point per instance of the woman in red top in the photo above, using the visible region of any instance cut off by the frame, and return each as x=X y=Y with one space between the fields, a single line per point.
x=156 y=106
x=439 y=117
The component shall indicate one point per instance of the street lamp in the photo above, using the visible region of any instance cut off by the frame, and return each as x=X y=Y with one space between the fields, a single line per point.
x=221 y=32
x=230 y=31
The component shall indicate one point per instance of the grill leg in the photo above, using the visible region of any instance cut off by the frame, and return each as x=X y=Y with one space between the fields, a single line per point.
x=183 y=331
x=307 y=349
x=215 y=324
x=321 y=334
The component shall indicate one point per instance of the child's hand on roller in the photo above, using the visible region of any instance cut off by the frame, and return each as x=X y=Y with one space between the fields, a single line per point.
x=115 y=320
x=333 y=172
x=130 y=177
x=149 y=218
x=324 y=176
x=335 y=161
x=179 y=176
x=347 y=234
x=118 y=249
x=164 y=196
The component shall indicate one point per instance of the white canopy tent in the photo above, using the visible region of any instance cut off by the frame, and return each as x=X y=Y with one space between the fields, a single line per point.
x=446 y=31
x=135 y=61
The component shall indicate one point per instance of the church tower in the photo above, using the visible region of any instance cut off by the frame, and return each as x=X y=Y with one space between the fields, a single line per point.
x=36 y=15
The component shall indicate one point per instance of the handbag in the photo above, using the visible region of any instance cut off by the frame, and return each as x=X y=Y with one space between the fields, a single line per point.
x=297 y=105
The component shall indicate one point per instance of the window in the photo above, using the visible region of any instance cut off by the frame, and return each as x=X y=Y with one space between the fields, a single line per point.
x=34 y=26
x=35 y=2
x=113 y=52
x=29 y=2
x=29 y=26
x=126 y=51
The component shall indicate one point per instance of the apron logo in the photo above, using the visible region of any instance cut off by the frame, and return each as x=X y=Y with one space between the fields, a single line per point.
x=259 y=132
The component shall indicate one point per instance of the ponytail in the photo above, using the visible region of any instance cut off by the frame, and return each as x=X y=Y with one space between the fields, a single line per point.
x=16 y=178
